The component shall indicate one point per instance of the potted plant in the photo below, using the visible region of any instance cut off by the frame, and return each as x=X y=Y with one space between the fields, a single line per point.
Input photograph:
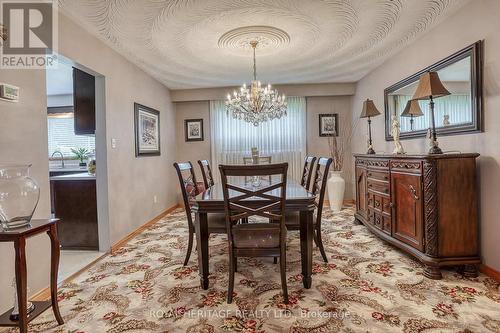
x=81 y=154
x=338 y=147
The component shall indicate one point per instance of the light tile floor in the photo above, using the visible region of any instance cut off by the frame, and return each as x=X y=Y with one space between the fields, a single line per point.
x=71 y=261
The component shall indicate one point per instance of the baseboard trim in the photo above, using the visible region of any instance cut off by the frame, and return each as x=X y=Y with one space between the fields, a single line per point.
x=345 y=202
x=44 y=294
x=139 y=230
x=491 y=272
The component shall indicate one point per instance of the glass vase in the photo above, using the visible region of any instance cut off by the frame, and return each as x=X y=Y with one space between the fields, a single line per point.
x=19 y=194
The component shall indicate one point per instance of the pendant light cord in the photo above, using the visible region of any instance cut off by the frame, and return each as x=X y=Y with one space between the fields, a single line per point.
x=254 y=46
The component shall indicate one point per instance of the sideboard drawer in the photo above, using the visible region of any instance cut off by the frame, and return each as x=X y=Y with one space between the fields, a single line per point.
x=378 y=175
x=378 y=186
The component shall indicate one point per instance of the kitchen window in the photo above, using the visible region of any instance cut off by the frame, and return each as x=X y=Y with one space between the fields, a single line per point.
x=61 y=132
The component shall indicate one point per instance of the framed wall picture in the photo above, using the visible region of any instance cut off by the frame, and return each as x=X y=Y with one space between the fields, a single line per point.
x=147 y=131
x=193 y=129
x=328 y=124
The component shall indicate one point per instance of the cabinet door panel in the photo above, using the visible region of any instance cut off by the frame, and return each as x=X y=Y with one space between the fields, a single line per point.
x=407 y=221
x=84 y=102
x=361 y=195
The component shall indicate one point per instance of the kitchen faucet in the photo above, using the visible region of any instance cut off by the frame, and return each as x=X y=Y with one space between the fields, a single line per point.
x=62 y=157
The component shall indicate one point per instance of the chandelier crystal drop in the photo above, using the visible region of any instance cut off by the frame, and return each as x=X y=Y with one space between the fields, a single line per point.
x=256 y=104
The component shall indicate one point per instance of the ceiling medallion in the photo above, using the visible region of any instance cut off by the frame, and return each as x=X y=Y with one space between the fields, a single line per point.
x=266 y=36
x=256 y=104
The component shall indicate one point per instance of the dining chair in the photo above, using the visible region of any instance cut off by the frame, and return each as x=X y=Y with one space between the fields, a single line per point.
x=318 y=189
x=189 y=190
x=260 y=160
x=307 y=172
x=261 y=239
x=206 y=172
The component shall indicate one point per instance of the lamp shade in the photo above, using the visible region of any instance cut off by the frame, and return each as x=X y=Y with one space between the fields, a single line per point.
x=430 y=86
x=369 y=109
x=412 y=108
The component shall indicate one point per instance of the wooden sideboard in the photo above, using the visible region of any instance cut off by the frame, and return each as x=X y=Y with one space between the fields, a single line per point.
x=426 y=205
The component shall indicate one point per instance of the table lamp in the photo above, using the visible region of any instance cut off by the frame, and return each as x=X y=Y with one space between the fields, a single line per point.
x=429 y=88
x=412 y=109
x=369 y=110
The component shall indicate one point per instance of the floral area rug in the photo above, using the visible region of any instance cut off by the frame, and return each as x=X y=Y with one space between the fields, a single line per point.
x=367 y=286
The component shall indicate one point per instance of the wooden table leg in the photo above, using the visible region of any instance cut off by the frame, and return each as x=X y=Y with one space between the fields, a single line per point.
x=201 y=228
x=21 y=284
x=306 y=240
x=54 y=267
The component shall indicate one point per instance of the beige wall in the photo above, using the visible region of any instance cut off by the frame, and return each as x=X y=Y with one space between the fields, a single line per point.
x=316 y=145
x=478 y=20
x=132 y=181
x=23 y=140
x=194 y=150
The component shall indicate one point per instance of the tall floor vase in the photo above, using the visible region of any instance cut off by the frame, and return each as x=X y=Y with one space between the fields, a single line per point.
x=336 y=189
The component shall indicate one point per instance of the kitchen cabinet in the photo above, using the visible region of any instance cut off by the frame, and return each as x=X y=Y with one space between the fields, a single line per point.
x=84 y=102
x=74 y=201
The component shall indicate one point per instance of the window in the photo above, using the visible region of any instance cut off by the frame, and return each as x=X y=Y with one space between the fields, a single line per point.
x=61 y=128
x=284 y=139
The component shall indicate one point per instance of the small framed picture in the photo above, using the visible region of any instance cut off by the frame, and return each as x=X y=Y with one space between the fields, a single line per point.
x=147 y=131
x=193 y=129
x=328 y=124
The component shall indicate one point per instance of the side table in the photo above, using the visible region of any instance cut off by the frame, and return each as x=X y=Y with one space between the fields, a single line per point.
x=18 y=236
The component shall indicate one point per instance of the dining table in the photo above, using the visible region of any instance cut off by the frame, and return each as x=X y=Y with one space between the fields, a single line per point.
x=298 y=199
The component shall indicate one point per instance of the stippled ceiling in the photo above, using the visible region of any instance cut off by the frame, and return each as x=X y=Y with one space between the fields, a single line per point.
x=204 y=43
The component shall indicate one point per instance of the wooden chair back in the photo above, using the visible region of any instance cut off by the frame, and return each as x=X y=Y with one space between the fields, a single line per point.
x=270 y=198
x=189 y=186
x=307 y=172
x=206 y=172
x=260 y=160
x=319 y=184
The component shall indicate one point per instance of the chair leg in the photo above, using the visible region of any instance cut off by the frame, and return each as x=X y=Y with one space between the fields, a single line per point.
x=320 y=244
x=190 y=246
x=236 y=264
x=230 y=288
x=315 y=238
x=275 y=260
x=283 y=275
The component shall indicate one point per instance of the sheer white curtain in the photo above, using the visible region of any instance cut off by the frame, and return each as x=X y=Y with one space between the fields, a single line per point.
x=456 y=106
x=284 y=139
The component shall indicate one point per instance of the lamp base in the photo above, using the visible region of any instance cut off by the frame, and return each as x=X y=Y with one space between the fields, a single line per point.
x=435 y=150
x=370 y=151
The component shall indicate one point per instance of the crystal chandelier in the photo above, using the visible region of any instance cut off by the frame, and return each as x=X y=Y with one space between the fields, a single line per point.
x=256 y=104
